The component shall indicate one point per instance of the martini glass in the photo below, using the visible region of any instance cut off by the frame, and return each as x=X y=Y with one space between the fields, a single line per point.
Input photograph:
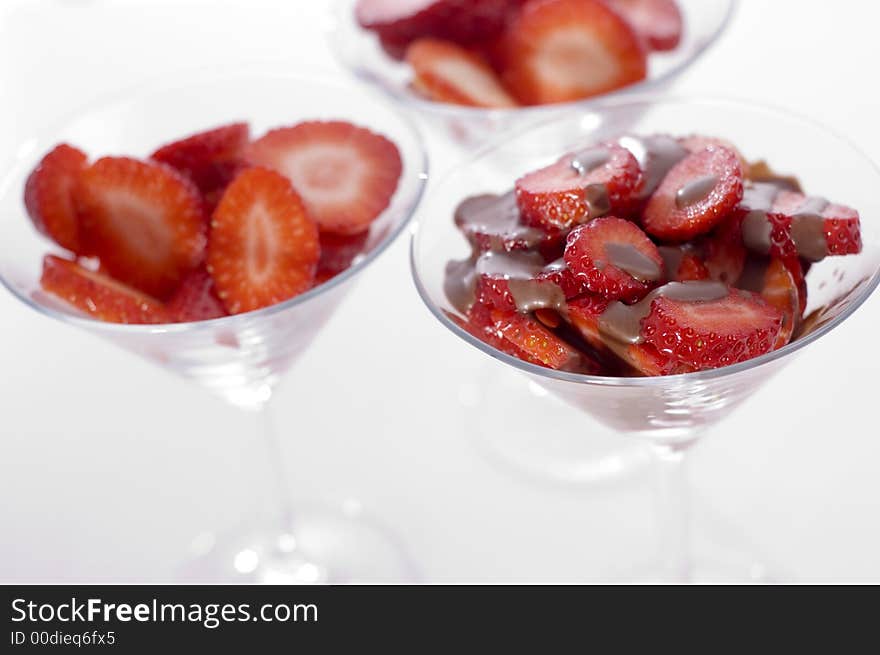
x=672 y=413
x=240 y=358
x=359 y=51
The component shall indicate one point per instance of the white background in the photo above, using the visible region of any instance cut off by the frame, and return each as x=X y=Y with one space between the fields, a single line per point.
x=109 y=466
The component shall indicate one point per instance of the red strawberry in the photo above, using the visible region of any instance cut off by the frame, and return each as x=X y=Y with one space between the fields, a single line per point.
x=559 y=274
x=196 y=299
x=584 y=314
x=263 y=247
x=446 y=72
x=725 y=252
x=691 y=268
x=564 y=50
x=49 y=195
x=539 y=343
x=399 y=22
x=785 y=289
x=345 y=174
x=479 y=325
x=492 y=222
x=143 y=220
x=210 y=159
x=697 y=194
x=97 y=295
x=338 y=253
x=697 y=142
x=797 y=226
x=612 y=257
x=658 y=22
x=713 y=333
x=579 y=187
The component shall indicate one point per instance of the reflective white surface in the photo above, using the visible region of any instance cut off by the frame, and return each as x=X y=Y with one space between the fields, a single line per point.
x=109 y=466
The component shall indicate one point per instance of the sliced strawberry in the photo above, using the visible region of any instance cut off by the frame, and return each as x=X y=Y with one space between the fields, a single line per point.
x=579 y=187
x=338 y=252
x=789 y=224
x=492 y=222
x=713 y=333
x=446 y=72
x=99 y=296
x=612 y=257
x=196 y=299
x=725 y=252
x=559 y=274
x=345 y=174
x=539 y=343
x=784 y=288
x=49 y=195
x=585 y=313
x=697 y=142
x=658 y=22
x=210 y=159
x=698 y=193
x=691 y=268
x=399 y=22
x=564 y=50
x=143 y=220
x=263 y=247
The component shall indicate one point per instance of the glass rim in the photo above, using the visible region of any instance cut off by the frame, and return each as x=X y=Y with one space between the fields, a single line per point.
x=208 y=74
x=648 y=381
x=446 y=109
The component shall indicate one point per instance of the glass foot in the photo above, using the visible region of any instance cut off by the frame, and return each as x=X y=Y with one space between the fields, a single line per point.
x=319 y=546
x=514 y=435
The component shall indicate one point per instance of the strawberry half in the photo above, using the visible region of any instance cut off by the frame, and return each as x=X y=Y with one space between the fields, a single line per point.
x=400 y=22
x=210 y=159
x=143 y=220
x=97 y=295
x=713 y=333
x=263 y=247
x=725 y=252
x=613 y=258
x=446 y=72
x=196 y=299
x=579 y=187
x=658 y=22
x=540 y=344
x=564 y=50
x=698 y=193
x=345 y=174
x=49 y=195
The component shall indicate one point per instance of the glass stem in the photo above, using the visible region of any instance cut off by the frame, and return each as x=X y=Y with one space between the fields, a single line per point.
x=674 y=524
x=278 y=484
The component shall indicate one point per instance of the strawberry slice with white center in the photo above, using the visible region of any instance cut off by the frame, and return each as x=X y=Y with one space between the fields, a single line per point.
x=99 y=296
x=446 y=72
x=564 y=50
x=712 y=333
x=211 y=158
x=658 y=22
x=49 y=198
x=579 y=187
x=345 y=174
x=143 y=220
x=263 y=247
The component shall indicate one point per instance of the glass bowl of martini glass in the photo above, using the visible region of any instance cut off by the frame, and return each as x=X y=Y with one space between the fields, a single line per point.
x=670 y=413
x=360 y=51
x=240 y=358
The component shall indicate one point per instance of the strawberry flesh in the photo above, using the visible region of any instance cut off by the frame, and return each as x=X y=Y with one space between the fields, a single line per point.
x=658 y=22
x=697 y=194
x=263 y=247
x=99 y=296
x=196 y=299
x=579 y=187
x=613 y=258
x=565 y=50
x=345 y=174
x=143 y=220
x=49 y=196
x=446 y=72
